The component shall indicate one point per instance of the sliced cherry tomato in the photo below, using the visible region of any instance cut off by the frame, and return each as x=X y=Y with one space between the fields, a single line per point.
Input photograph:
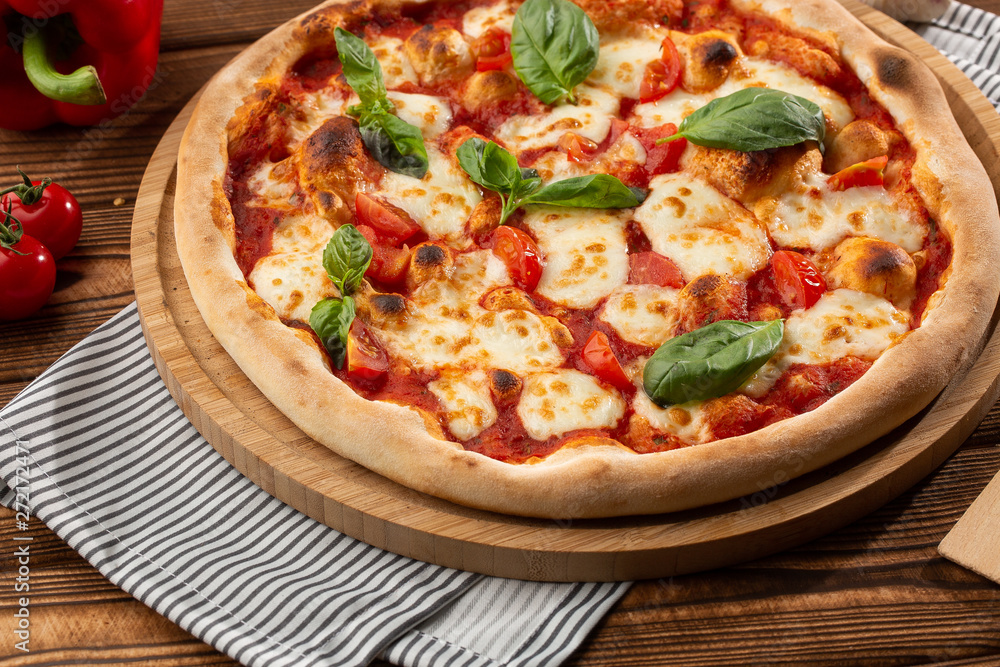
x=660 y=158
x=578 y=149
x=799 y=282
x=27 y=271
x=391 y=223
x=600 y=358
x=521 y=255
x=661 y=76
x=869 y=172
x=389 y=264
x=652 y=268
x=492 y=50
x=366 y=360
x=47 y=211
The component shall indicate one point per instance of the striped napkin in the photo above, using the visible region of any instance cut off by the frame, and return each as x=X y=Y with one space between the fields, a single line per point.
x=97 y=449
x=970 y=38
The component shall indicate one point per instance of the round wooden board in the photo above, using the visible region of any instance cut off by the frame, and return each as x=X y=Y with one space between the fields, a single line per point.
x=266 y=447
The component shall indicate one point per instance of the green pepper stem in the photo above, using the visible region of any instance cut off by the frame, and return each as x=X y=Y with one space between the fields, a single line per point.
x=80 y=87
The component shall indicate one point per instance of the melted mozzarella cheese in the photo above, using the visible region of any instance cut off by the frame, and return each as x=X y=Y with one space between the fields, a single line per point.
x=446 y=327
x=622 y=62
x=396 y=66
x=820 y=218
x=556 y=165
x=480 y=19
x=440 y=202
x=292 y=283
x=457 y=296
x=747 y=72
x=702 y=230
x=467 y=403
x=842 y=323
x=590 y=118
x=432 y=115
x=686 y=421
x=643 y=314
x=585 y=253
x=566 y=400
x=292 y=278
x=276 y=191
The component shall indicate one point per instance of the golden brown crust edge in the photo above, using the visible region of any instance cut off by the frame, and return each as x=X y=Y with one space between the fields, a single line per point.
x=593 y=480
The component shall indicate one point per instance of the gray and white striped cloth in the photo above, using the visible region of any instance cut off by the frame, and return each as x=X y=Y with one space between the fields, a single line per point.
x=970 y=38
x=100 y=452
x=97 y=449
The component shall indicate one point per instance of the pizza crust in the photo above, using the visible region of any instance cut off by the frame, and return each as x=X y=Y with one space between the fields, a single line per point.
x=597 y=477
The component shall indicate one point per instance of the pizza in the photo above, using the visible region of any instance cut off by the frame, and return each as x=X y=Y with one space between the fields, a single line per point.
x=587 y=260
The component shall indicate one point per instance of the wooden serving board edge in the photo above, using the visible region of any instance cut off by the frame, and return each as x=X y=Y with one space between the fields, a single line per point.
x=429 y=529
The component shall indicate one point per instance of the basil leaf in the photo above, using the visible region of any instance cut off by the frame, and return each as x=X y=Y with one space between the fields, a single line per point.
x=709 y=362
x=331 y=320
x=595 y=191
x=361 y=67
x=392 y=141
x=396 y=144
x=346 y=258
x=554 y=45
x=489 y=165
x=754 y=119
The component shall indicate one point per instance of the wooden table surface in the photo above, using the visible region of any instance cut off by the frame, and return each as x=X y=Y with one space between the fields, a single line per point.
x=875 y=592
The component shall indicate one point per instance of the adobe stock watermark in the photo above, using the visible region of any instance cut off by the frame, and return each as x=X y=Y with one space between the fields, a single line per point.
x=22 y=550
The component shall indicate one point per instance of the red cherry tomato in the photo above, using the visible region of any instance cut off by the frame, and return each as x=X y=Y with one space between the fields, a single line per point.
x=861 y=174
x=799 y=282
x=661 y=76
x=578 y=149
x=600 y=358
x=54 y=219
x=26 y=280
x=660 y=158
x=492 y=50
x=521 y=255
x=366 y=360
x=652 y=268
x=389 y=264
x=391 y=223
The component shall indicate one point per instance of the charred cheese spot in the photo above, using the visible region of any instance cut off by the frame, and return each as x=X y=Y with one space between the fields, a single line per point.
x=707 y=57
x=504 y=386
x=860 y=140
x=438 y=53
x=566 y=400
x=876 y=267
x=710 y=298
x=507 y=298
x=334 y=164
x=428 y=260
x=487 y=89
x=485 y=217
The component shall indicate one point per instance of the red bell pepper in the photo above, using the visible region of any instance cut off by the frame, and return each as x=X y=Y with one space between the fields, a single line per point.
x=77 y=61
